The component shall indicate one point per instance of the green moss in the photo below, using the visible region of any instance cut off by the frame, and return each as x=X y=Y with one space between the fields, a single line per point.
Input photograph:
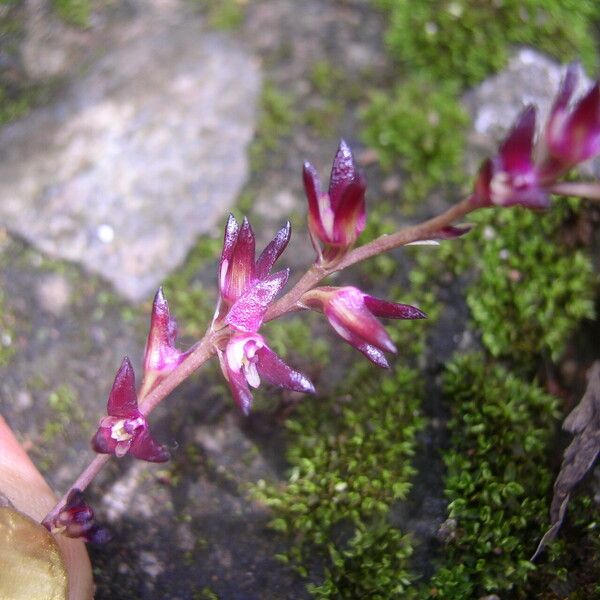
x=66 y=412
x=296 y=338
x=497 y=481
x=191 y=301
x=373 y=566
x=73 y=12
x=350 y=458
x=467 y=40
x=276 y=120
x=7 y=333
x=225 y=15
x=532 y=289
x=420 y=127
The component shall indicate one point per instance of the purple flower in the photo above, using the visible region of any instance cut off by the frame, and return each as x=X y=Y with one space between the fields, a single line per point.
x=76 y=520
x=511 y=177
x=161 y=356
x=247 y=359
x=572 y=133
x=352 y=314
x=246 y=286
x=336 y=217
x=125 y=429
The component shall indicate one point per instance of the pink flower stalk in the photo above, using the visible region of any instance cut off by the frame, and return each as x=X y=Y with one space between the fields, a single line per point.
x=336 y=217
x=125 y=429
x=247 y=359
x=161 y=356
x=572 y=133
x=352 y=314
x=76 y=520
x=511 y=177
x=246 y=286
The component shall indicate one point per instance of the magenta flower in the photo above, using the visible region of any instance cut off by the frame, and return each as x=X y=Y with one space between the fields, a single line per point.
x=511 y=177
x=572 y=133
x=161 y=356
x=246 y=286
x=336 y=217
x=247 y=359
x=76 y=520
x=352 y=314
x=125 y=429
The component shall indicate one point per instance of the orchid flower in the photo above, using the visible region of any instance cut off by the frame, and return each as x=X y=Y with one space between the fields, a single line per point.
x=352 y=314
x=247 y=359
x=125 y=429
x=336 y=217
x=572 y=133
x=510 y=177
x=246 y=286
x=76 y=520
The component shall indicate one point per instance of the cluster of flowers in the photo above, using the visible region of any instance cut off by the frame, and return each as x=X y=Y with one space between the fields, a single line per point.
x=523 y=172
x=519 y=174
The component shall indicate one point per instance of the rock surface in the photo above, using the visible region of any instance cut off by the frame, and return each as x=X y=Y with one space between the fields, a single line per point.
x=139 y=156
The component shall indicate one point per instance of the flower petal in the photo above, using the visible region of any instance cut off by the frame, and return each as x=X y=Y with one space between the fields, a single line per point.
x=312 y=187
x=122 y=401
x=375 y=355
x=239 y=389
x=582 y=128
x=272 y=368
x=229 y=240
x=145 y=447
x=248 y=311
x=350 y=215
x=516 y=150
x=342 y=174
x=160 y=353
x=392 y=310
x=273 y=251
x=452 y=232
x=241 y=270
x=103 y=442
x=349 y=316
x=566 y=90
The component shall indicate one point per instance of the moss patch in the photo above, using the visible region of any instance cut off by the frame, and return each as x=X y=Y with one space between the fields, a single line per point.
x=350 y=458
x=73 y=12
x=467 y=40
x=277 y=117
x=419 y=126
x=497 y=482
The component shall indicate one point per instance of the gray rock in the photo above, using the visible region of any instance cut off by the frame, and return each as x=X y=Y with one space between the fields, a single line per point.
x=140 y=156
x=529 y=78
x=50 y=48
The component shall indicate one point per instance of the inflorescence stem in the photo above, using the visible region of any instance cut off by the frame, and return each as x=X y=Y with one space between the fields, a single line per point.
x=207 y=346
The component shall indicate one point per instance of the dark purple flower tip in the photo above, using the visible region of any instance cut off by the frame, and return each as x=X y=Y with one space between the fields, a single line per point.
x=336 y=217
x=273 y=251
x=392 y=310
x=452 y=232
x=246 y=359
x=343 y=173
x=160 y=355
x=76 y=520
x=125 y=429
x=572 y=133
x=516 y=150
x=248 y=311
x=236 y=269
x=122 y=400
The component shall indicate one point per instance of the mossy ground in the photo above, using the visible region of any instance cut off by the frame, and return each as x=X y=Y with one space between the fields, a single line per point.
x=350 y=453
